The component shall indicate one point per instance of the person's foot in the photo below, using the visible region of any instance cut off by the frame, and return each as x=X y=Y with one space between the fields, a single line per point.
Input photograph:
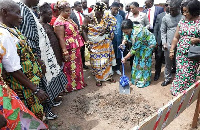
x=98 y=83
x=57 y=103
x=156 y=77
x=85 y=67
x=165 y=83
x=118 y=72
x=51 y=116
x=112 y=80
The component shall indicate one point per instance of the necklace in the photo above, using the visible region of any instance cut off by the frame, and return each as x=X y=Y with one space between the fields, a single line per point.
x=17 y=33
x=70 y=21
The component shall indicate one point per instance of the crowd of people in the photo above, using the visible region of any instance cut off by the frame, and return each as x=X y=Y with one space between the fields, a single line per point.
x=43 y=49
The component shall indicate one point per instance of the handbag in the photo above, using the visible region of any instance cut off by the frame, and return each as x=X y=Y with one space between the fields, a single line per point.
x=194 y=52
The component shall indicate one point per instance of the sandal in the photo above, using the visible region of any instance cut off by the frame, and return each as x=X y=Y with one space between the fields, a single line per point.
x=98 y=83
x=84 y=85
x=112 y=80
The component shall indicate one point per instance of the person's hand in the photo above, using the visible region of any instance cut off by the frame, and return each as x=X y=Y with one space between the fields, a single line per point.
x=123 y=60
x=194 y=40
x=124 y=42
x=152 y=46
x=3 y=121
x=42 y=96
x=171 y=55
x=103 y=32
x=66 y=56
x=164 y=46
x=43 y=66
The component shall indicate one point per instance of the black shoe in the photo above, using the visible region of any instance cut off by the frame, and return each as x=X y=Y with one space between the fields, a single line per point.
x=85 y=67
x=173 y=71
x=165 y=83
x=156 y=77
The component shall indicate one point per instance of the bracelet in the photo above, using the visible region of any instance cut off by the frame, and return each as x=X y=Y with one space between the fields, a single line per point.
x=42 y=65
x=171 y=51
x=65 y=53
x=36 y=91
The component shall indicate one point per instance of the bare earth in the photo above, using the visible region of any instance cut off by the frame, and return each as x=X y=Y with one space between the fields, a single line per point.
x=103 y=108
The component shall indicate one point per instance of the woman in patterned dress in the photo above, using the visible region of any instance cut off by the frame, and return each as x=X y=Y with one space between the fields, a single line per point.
x=12 y=109
x=143 y=42
x=99 y=27
x=187 y=33
x=70 y=41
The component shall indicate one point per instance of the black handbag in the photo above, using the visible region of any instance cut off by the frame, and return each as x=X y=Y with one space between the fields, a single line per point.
x=194 y=52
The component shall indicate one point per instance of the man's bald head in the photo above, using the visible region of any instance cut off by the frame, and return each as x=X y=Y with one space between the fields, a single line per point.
x=7 y=4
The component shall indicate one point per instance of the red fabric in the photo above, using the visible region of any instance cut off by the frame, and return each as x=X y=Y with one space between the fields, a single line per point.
x=80 y=18
x=74 y=71
x=53 y=20
x=89 y=10
x=149 y=14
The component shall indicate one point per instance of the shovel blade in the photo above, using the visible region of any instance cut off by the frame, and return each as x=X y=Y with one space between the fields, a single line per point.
x=124 y=90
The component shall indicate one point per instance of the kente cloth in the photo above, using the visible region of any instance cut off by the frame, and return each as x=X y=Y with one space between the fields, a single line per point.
x=54 y=81
x=73 y=68
x=18 y=116
x=29 y=66
x=102 y=56
x=186 y=69
x=141 y=40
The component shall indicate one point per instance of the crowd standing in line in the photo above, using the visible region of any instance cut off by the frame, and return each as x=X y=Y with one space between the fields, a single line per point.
x=44 y=56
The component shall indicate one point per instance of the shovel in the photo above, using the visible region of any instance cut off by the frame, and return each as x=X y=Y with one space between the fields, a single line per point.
x=124 y=87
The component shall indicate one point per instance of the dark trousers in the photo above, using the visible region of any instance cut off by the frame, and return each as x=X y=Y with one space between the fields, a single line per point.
x=117 y=67
x=83 y=54
x=159 y=56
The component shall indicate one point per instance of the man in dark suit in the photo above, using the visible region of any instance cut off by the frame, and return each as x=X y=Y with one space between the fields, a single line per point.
x=152 y=13
x=78 y=18
x=159 y=53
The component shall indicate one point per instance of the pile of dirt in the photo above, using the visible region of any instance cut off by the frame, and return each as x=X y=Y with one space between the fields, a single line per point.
x=119 y=110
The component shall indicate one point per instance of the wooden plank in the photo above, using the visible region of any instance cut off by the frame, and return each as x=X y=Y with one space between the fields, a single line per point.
x=170 y=111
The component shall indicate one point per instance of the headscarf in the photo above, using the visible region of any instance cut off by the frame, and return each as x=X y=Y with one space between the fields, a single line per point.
x=61 y=4
x=100 y=6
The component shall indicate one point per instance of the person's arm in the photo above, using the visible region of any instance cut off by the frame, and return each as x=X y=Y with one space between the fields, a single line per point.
x=3 y=121
x=21 y=77
x=146 y=21
x=174 y=42
x=156 y=28
x=60 y=33
x=86 y=21
x=194 y=40
x=163 y=30
x=133 y=49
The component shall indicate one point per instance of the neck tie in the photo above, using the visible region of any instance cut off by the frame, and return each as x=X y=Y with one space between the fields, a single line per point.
x=149 y=14
x=80 y=18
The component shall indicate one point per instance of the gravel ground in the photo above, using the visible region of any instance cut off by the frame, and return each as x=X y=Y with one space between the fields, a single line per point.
x=103 y=108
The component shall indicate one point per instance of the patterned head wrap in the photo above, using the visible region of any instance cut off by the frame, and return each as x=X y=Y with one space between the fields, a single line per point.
x=61 y=4
x=100 y=6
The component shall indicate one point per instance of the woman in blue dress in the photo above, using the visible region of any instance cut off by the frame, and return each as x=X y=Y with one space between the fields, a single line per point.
x=143 y=43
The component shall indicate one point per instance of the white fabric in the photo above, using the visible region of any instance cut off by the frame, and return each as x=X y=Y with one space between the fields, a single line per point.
x=77 y=15
x=151 y=16
x=85 y=12
x=11 y=60
x=47 y=53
